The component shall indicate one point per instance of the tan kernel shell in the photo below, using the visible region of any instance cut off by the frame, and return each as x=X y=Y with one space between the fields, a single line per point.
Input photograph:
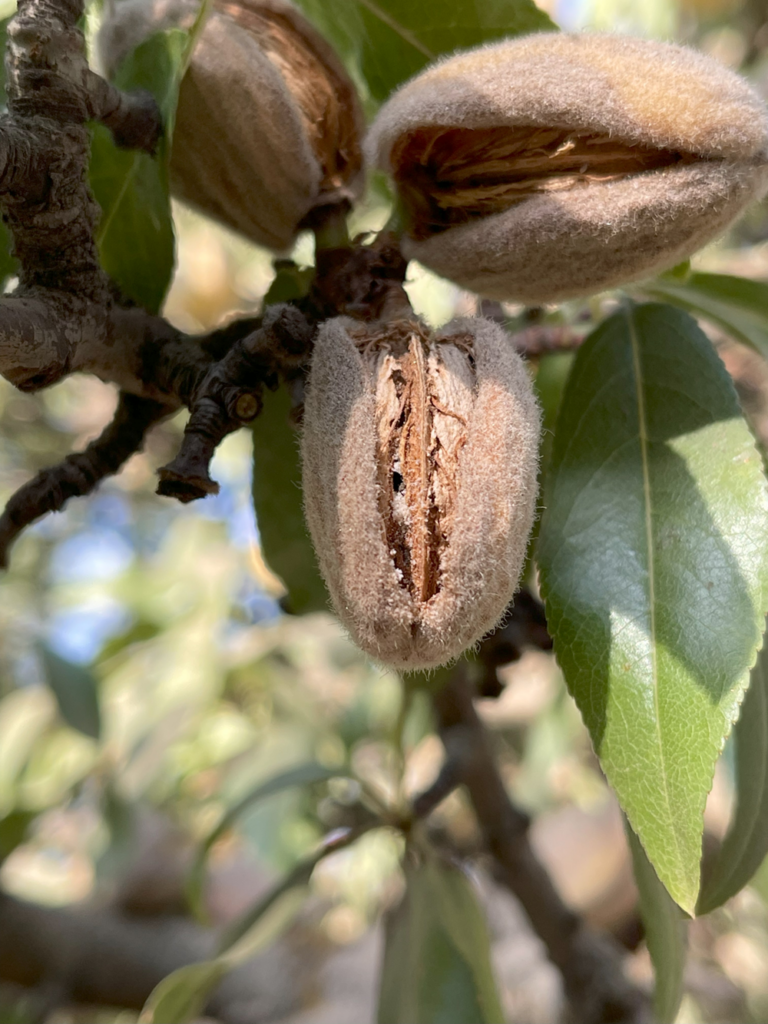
x=568 y=242
x=241 y=150
x=495 y=501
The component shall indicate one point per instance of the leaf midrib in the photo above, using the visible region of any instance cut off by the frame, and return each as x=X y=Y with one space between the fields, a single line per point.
x=106 y=224
x=405 y=34
x=643 y=437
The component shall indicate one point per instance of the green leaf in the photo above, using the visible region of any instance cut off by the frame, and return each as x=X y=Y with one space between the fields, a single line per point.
x=291 y=282
x=13 y=831
x=389 y=41
x=135 y=234
x=182 y=996
x=551 y=377
x=746 y=843
x=666 y=934
x=736 y=304
x=437 y=957
x=302 y=775
x=76 y=692
x=277 y=498
x=653 y=553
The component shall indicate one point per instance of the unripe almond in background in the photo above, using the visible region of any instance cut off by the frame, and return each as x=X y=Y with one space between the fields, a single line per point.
x=553 y=165
x=420 y=455
x=268 y=125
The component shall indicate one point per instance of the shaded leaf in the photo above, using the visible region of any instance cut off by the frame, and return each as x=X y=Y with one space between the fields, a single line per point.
x=290 y=282
x=746 y=843
x=138 y=632
x=121 y=816
x=653 y=551
x=302 y=775
x=277 y=499
x=135 y=234
x=76 y=692
x=13 y=831
x=736 y=304
x=759 y=882
x=182 y=996
x=551 y=377
x=666 y=934
x=388 y=41
x=437 y=966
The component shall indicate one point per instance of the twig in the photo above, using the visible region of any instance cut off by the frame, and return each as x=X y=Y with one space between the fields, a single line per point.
x=448 y=779
x=524 y=626
x=81 y=472
x=64 y=316
x=596 y=987
x=230 y=395
x=543 y=338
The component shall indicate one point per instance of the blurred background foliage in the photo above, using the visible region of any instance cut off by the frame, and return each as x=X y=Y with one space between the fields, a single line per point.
x=147 y=670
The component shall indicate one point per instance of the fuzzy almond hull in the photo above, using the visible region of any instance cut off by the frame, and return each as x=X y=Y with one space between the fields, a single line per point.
x=563 y=245
x=553 y=166
x=268 y=123
x=494 y=496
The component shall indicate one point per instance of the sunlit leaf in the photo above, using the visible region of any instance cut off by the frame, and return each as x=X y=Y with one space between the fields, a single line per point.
x=76 y=692
x=25 y=716
x=736 y=304
x=666 y=934
x=746 y=843
x=653 y=553
x=437 y=966
x=388 y=41
x=277 y=498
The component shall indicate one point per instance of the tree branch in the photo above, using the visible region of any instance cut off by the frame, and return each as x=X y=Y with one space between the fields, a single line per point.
x=100 y=956
x=590 y=964
x=230 y=395
x=64 y=316
x=80 y=473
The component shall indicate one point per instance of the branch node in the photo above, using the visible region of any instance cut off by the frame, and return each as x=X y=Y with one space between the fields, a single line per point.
x=229 y=395
x=134 y=118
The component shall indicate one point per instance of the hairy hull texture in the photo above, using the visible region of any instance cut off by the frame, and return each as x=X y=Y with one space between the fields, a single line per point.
x=420 y=456
x=552 y=166
x=268 y=124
